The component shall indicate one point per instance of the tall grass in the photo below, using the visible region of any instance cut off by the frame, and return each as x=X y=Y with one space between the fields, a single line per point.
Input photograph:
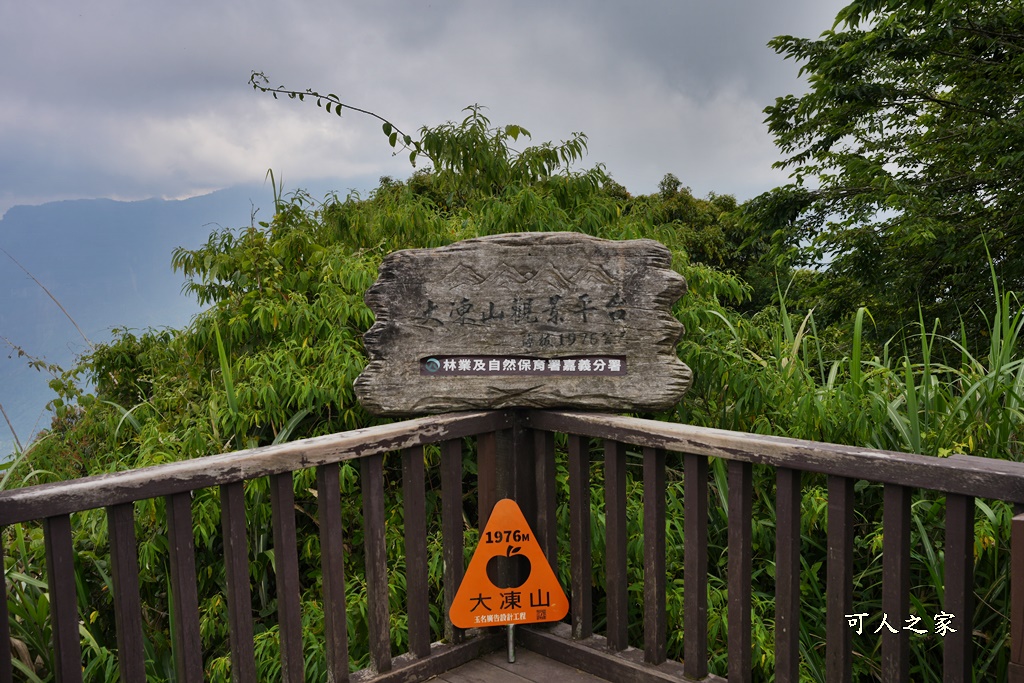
x=923 y=392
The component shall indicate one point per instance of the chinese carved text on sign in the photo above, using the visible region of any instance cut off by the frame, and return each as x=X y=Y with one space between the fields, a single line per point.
x=538 y=320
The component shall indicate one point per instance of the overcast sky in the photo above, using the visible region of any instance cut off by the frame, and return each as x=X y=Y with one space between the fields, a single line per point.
x=129 y=100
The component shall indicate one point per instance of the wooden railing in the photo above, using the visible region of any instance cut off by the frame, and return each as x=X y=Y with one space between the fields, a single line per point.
x=516 y=458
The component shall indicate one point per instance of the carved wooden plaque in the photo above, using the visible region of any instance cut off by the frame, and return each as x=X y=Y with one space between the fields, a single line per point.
x=538 y=320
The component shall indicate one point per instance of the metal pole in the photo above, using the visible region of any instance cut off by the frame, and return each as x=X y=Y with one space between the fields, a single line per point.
x=511 y=643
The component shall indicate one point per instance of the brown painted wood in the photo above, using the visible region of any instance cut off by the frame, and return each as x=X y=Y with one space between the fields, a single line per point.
x=520 y=464
x=60 y=578
x=968 y=475
x=547 y=509
x=415 y=522
x=695 y=566
x=124 y=569
x=740 y=562
x=1017 y=599
x=787 y=575
x=531 y=297
x=655 y=580
x=486 y=476
x=616 y=582
x=239 y=590
x=286 y=564
x=332 y=566
x=37 y=502
x=579 y=537
x=378 y=613
x=957 y=654
x=839 y=582
x=184 y=599
x=594 y=656
x=6 y=664
x=452 y=525
x=895 y=583
x=407 y=668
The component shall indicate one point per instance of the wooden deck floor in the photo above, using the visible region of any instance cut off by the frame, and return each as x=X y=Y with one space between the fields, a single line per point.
x=529 y=666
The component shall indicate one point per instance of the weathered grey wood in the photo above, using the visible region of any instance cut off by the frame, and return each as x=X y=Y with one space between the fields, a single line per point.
x=695 y=566
x=579 y=537
x=957 y=655
x=787 y=575
x=594 y=656
x=896 y=582
x=60 y=578
x=408 y=668
x=616 y=582
x=524 y=296
x=740 y=562
x=839 y=582
x=378 y=612
x=124 y=570
x=37 y=502
x=451 y=532
x=967 y=475
x=286 y=574
x=655 y=579
x=184 y=599
x=332 y=565
x=415 y=531
x=1017 y=599
x=239 y=591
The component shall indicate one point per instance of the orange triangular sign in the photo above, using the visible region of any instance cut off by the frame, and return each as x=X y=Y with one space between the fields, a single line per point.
x=509 y=581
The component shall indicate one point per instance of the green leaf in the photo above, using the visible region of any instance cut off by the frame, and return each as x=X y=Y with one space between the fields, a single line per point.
x=387 y=128
x=393 y=139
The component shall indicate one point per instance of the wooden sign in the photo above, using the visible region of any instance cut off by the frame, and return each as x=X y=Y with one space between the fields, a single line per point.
x=509 y=580
x=539 y=320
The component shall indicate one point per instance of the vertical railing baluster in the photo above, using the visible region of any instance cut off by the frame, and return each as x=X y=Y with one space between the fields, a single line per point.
x=378 y=613
x=1016 y=672
x=839 y=586
x=6 y=664
x=615 y=543
x=332 y=566
x=415 y=525
x=740 y=560
x=60 y=577
x=124 y=566
x=895 y=582
x=544 y=472
x=239 y=590
x=787 y=575
x=957 y=656
x=184 y=600
x=286 y=574
x=695 y=566
x=486 y=476
x=579 y=536
x=451 y=531
x=655 y=580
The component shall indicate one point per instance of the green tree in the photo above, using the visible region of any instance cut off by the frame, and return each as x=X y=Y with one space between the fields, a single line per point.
x=907 y=154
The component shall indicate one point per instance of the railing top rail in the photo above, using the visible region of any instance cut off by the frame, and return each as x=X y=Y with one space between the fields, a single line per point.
x=60 y=498
x=961 y=474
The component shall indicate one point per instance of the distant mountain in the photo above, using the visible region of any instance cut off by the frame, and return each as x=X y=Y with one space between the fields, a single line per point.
x=109 y=265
